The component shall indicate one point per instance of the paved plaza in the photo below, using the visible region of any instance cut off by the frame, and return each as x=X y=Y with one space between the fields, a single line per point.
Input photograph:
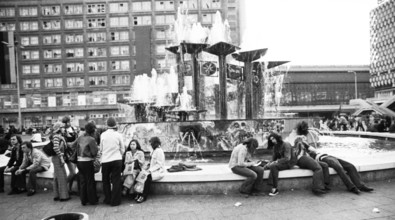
x=297 y=204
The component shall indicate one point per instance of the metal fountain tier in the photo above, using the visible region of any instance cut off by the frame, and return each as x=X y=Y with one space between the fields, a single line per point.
x=222 y=49
x=194 y=49
x=247 y=57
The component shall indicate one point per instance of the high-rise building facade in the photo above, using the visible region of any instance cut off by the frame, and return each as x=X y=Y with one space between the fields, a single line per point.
x=78 y=57
x=382 y=49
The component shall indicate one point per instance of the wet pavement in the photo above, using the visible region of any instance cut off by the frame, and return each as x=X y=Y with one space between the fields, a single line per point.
x=296 y=204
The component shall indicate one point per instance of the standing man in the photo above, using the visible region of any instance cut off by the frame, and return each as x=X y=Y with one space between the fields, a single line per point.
x=70 y=135
x=111 y=150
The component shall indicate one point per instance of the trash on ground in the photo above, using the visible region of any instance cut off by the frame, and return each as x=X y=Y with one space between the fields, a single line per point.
x=376 y=210
x=237 y=204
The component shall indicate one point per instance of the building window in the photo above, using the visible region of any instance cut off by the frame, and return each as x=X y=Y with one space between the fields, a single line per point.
x=74 y=52
x=119 y=51
x=51 y=39
x=164 y=5
x=50 y=10
x=75 y=82
x=52 y=54
x=120 y=36
x=142 y=20
x=160 y=49
x=97 y=23
x=7 y=12
x=53 y=83
x=52 y=68
x=189 y=4
x=30 y=55
x=164 y=19
x=31 y=83
x=211 y=4
x=120 y=65
x=98 y=80
x=97 y=37
x=28 y=11
x=29 y=41
x=120 y=80
x=74 y=38
x=160 y=34
x=141 y=6
x=96 y=9
x=97 y=66
x=51 y=25
x=208 y=18
x=74 y=67
x=4 y=26
x=73 y=24
x=119 y=22
x=29 y=26
x=119 y=7
x=30 y=69
x=73 y=9
x=97 y=52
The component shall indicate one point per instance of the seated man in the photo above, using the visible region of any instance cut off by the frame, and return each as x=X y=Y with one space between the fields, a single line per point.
x=18 y=182
x=352 y=180
x=34 y=161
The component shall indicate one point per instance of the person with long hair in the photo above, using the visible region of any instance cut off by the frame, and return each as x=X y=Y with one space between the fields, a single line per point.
x=155 y=169
x=34 y=161
x=87 y=151
x=241 y=163
x=283 y=158
x=134 y=157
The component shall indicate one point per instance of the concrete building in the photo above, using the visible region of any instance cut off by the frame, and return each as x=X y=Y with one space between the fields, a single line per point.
x=78 y=57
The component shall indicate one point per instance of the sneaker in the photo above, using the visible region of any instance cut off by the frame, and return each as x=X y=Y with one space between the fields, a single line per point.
x=274 y=192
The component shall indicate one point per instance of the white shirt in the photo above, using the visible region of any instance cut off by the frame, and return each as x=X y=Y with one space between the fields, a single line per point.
x=111 y=146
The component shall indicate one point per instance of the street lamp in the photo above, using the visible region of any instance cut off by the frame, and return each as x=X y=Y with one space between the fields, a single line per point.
x=355 y=80
x=15 y=46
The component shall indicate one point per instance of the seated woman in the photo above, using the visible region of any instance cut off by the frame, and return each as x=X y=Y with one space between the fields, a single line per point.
x=134 y=156
x=240 y=163
x=18 y=182
x=283 y=158
x=352 y=180
x=34 y=161
x=153 y=171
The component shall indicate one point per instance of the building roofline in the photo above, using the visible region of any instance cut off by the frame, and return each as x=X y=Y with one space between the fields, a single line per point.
x=300 y=68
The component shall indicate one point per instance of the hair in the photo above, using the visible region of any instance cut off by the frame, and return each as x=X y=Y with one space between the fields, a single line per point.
x=251 y=144
x=18 y=138
x=90 y=128
x=276 y=136
x=138 y=146
x=302 y=128
x=28 y=144
x=155 y=142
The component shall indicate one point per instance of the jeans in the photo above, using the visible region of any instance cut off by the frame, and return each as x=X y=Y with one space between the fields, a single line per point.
x=352 y=179
x=325 y=171
x=306 y=162
x=254 y=181
x=274 y=170
x=111 y=174
x=87 y=181
x=17 y=181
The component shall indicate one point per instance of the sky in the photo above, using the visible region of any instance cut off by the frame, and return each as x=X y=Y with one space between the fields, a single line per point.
x=308 y=32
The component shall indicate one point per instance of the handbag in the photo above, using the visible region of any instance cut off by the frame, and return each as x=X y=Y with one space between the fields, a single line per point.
x=129 y=168
x=140 y=181
x=74 y=157
x=48 y=149
x=96 y=165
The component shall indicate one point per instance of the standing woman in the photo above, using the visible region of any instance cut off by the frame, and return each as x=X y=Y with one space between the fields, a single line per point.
x=240 y=163
x=87 y=151
x=134 y=154
x=60 y=177
x=156 y=168
x=111 y=152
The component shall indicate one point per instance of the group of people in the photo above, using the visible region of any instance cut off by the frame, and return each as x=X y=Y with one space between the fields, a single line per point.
x=302 y=152
x=124 y=168
x=369 y=123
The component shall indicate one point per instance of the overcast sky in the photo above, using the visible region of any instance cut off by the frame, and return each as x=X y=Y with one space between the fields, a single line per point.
x=309 y=32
